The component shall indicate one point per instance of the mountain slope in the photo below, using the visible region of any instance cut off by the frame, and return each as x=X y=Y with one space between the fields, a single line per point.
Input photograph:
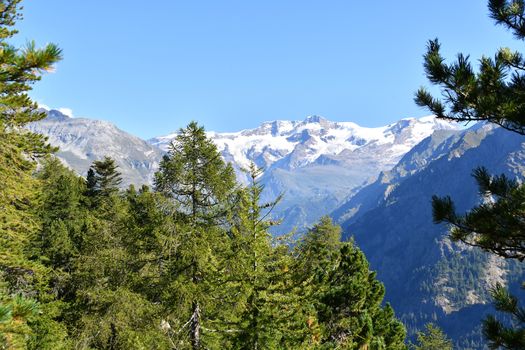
x=428 y=278
x=82 y=141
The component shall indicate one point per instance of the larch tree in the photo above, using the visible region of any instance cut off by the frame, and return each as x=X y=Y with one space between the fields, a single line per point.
x=201 y=185
x=265 y=306
x=494 y=93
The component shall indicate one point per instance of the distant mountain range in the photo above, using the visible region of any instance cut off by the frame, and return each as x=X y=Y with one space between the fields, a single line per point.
x=376 y=182
x=316 y=163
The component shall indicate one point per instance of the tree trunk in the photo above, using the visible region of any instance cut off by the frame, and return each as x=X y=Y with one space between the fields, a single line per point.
x=195 y=327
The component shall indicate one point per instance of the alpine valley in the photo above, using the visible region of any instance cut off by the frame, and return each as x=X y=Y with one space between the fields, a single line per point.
x=376 y=182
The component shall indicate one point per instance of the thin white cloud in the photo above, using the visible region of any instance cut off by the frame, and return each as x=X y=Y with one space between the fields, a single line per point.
x=66 y=111
x=44 y=106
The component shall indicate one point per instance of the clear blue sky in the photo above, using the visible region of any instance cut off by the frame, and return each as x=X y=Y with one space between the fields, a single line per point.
x=152 y=66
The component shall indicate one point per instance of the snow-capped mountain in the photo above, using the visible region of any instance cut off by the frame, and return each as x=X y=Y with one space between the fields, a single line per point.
x=304 y=142
x=376 y=182
x=317 y=162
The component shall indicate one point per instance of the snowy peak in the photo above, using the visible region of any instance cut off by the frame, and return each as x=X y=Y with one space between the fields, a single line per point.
x=303 y=142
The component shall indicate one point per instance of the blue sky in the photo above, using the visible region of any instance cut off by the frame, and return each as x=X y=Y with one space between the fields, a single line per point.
x=152 y=66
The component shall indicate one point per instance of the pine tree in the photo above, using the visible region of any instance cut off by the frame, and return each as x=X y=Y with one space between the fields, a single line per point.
x=20 y=68
x=201 y=185
x=496 y=225
x=20 y=278
x=496 y=94
x=498 y=333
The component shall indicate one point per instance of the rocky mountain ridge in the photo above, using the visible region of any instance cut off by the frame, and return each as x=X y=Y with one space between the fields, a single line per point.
x=82 y=141
x=427 y=277
x=377 y=182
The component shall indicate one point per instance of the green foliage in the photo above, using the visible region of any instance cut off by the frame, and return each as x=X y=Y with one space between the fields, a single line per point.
x=201 y=185
x=510 y=14
x=140 y=269
x=117 y=318
x=344 y=293
x=194 y=175
x=61 y=213
x=14 y=315
x=496 y=225
x=102 y=180
x=252 y=272
x=20 y=68
x=22 y=279
x=499 y=334
x=432 y=339
x=458 y=274
x=495 y=93
x=86 y=265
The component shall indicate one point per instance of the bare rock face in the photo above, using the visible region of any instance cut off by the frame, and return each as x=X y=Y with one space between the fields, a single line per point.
x=82 y=141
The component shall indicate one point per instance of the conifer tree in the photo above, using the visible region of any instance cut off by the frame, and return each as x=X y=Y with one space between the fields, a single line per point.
x=103 y=178
x=19 y=276
x=432 y=339
x=345 y=294
x=14 y=314
x=20 y=68
x=251 y=248
x=112 y=306
x=494 y=93
x=62 y=214
x=149 y=240
x=267 y=314
x=201 y=185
